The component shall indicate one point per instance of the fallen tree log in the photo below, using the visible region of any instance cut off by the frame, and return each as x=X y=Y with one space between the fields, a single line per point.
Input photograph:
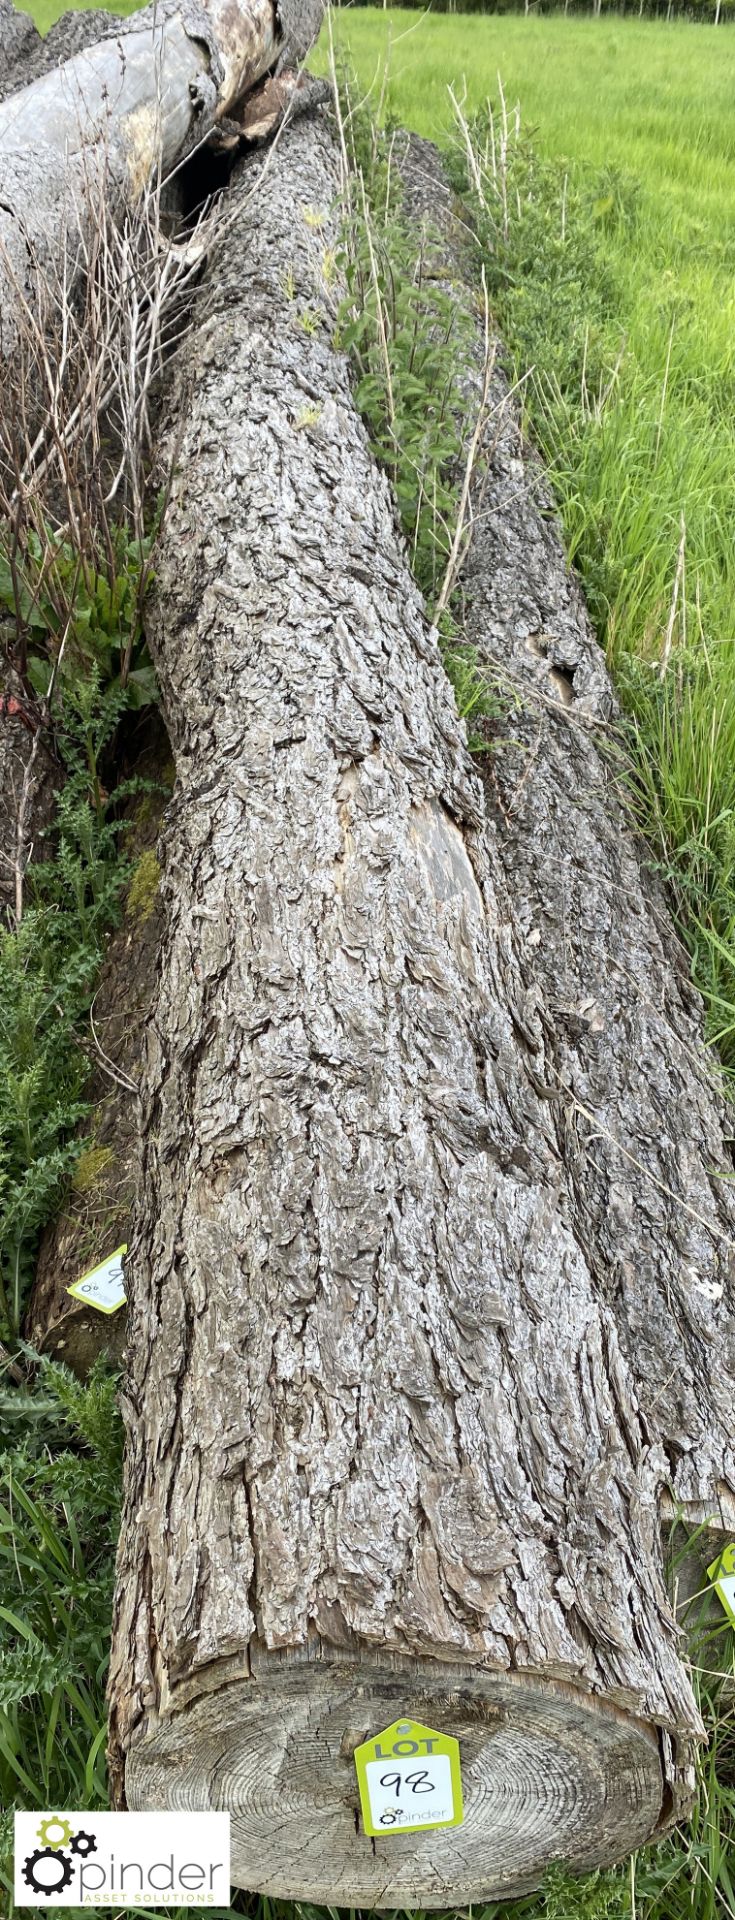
x=384 y=1456
x=637 y=1102
x=634 y=1094
x=27 y=54
x=122 y=112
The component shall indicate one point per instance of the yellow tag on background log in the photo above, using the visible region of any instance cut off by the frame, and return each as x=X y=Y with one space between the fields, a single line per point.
x=103 y=1288
x=722 y=1575
x=409 y=1779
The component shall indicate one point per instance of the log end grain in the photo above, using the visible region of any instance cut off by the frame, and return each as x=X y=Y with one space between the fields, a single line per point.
x=549 y=1774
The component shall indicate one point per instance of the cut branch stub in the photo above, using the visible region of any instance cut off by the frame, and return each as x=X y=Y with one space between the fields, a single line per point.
x=384 y=1457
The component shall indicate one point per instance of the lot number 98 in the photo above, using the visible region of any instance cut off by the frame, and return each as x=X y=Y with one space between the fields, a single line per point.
x=410 y=1794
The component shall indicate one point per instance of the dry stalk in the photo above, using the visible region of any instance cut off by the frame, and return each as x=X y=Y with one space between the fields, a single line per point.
x=490 y=173
x=664 y=391
x=379 y=309
x=473 y=167
x=678 y=582
x=93 y=330
x=464 y=515
x=75 y=434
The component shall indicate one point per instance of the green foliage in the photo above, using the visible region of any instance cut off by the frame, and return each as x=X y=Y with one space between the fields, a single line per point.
x=637 y=464
x=410 y=394
x=83 y=609
x=410 y=332
x=48 y=969
x=76 y=606
x=538 y=235
x=41 y=1078
x=59 y=1507
x=478 y=698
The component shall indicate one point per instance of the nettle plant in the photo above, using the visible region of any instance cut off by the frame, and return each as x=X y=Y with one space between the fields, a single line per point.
x=49 y=964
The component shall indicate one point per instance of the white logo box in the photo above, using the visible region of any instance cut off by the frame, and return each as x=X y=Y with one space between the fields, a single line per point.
x=122 y=1859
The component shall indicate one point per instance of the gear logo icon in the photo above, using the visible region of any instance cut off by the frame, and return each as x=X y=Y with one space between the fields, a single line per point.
x=54 y=1832
x=84 y=1844
x=48 y=1870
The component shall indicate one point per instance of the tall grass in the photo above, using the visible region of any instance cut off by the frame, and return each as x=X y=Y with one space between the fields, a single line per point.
x=640 y=444
x=613 y=279
x=59 y=1502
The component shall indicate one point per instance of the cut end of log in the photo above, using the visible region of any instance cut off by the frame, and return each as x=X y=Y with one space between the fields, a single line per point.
x=548 y=1774
x=81 y=1336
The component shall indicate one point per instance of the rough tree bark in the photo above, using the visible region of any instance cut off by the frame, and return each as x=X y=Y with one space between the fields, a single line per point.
x=26 y=54
x=636 y=1099
x=384 y=1454
x=635 y=1096
x=640 y=1114
x=122 y=110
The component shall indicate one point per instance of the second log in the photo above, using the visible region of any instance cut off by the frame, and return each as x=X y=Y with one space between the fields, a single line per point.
x=384 y=1455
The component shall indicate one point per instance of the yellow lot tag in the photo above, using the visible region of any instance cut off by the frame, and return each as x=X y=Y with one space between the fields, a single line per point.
x=722 y=1575
x=409 y=1779
x=103 y=1288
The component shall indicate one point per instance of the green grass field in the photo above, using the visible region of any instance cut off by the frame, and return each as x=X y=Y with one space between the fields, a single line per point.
x=616 y=289
x=658 y=101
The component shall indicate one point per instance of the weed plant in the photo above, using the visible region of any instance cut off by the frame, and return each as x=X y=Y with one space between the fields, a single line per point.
x=49 y=964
